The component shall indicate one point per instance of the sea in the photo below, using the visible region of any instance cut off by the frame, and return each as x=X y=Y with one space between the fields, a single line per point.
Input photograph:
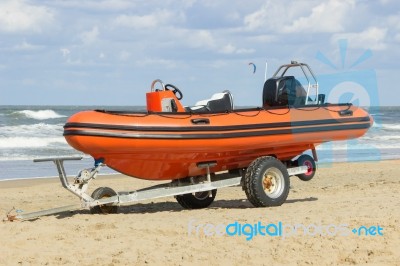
x=31 y=132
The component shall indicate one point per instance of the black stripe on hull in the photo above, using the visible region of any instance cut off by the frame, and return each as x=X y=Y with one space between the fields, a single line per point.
x=217 y=128
x=218 y=135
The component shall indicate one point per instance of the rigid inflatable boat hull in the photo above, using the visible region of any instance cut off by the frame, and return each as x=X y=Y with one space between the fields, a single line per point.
x=166 y=146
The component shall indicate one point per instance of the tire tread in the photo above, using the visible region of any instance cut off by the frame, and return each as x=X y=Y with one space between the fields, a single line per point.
x=188 y=201
x=251 y=182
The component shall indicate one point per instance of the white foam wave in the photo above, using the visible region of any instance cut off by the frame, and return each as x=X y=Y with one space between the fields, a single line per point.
x=68 y=152
x=340 y=146
x=40 y=114
x=391 y=126
x=29 y=142
x=376 y=139
x=35 y=130
x=376 y=125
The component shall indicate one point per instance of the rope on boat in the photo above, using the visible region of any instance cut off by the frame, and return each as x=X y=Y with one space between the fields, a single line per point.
x=237 y=112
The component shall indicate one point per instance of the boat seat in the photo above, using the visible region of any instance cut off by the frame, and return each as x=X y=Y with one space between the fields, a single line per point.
x=283 y=91
x=219 y=102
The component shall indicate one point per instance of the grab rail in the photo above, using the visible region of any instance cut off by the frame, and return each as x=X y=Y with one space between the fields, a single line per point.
x=309 y=85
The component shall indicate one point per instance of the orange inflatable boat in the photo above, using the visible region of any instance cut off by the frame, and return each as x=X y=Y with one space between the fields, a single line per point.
x=170 y=141
x=206 y=147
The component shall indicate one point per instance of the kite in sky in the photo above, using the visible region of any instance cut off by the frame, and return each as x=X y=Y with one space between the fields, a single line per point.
x=254 y=67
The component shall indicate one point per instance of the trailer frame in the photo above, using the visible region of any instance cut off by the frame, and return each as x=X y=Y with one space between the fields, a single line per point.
x=175 y=188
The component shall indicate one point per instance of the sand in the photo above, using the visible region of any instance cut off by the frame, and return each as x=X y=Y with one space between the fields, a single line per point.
x=341 y=196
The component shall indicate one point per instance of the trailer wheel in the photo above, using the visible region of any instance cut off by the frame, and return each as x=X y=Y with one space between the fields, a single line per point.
x=307 y=160
x=197 y=200
x=101 y=193
x=266 y=182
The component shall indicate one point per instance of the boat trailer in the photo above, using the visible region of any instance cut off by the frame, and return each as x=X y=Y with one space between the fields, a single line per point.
x=191 y=193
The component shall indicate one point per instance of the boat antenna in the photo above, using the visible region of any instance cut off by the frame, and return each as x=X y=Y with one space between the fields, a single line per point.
x=266 y=68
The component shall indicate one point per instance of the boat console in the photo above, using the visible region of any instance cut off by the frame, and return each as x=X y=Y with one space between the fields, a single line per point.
x=165 y=99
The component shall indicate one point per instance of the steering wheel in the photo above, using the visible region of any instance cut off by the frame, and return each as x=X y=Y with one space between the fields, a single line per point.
x=175 y=90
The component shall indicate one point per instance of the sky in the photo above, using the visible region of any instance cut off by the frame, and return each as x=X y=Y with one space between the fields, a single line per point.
x=107 y=52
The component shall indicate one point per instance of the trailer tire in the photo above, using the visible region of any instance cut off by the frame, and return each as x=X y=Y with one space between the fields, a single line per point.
x=306 y=160
x=101 y=193
x=197 y=200
x=266 y=182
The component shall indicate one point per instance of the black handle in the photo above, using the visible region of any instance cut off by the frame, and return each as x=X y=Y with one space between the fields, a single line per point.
x=346 y=113
x=200 y=121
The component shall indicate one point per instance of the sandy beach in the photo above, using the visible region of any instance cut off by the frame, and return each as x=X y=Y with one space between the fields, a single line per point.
x=340 y=198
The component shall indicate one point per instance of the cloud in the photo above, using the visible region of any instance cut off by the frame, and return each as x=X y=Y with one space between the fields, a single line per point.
x=393 y=23
x=198 y=38
x=273 y=16
x=263 y=38
x=218 y=64
x=178 y=38
x=157 y=62
x=288 y=16
x=264 y=17
x=325 y=17
x=20 y=16
x=96 y=5
x=65 y=52
x=384 y=2
x=373 y=38
x=228 y=49
x=158 y=18
x=25 y=46
x=124 y=55
x=89 y=37
x=231 y=49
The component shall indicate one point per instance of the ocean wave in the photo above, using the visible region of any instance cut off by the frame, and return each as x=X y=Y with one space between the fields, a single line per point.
x=391 y=126
x=359 y=146
x=40 y=114
x=376 y=125
x=376 y=139
x=30 y=142
x=12 y=156
x=34 y=130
